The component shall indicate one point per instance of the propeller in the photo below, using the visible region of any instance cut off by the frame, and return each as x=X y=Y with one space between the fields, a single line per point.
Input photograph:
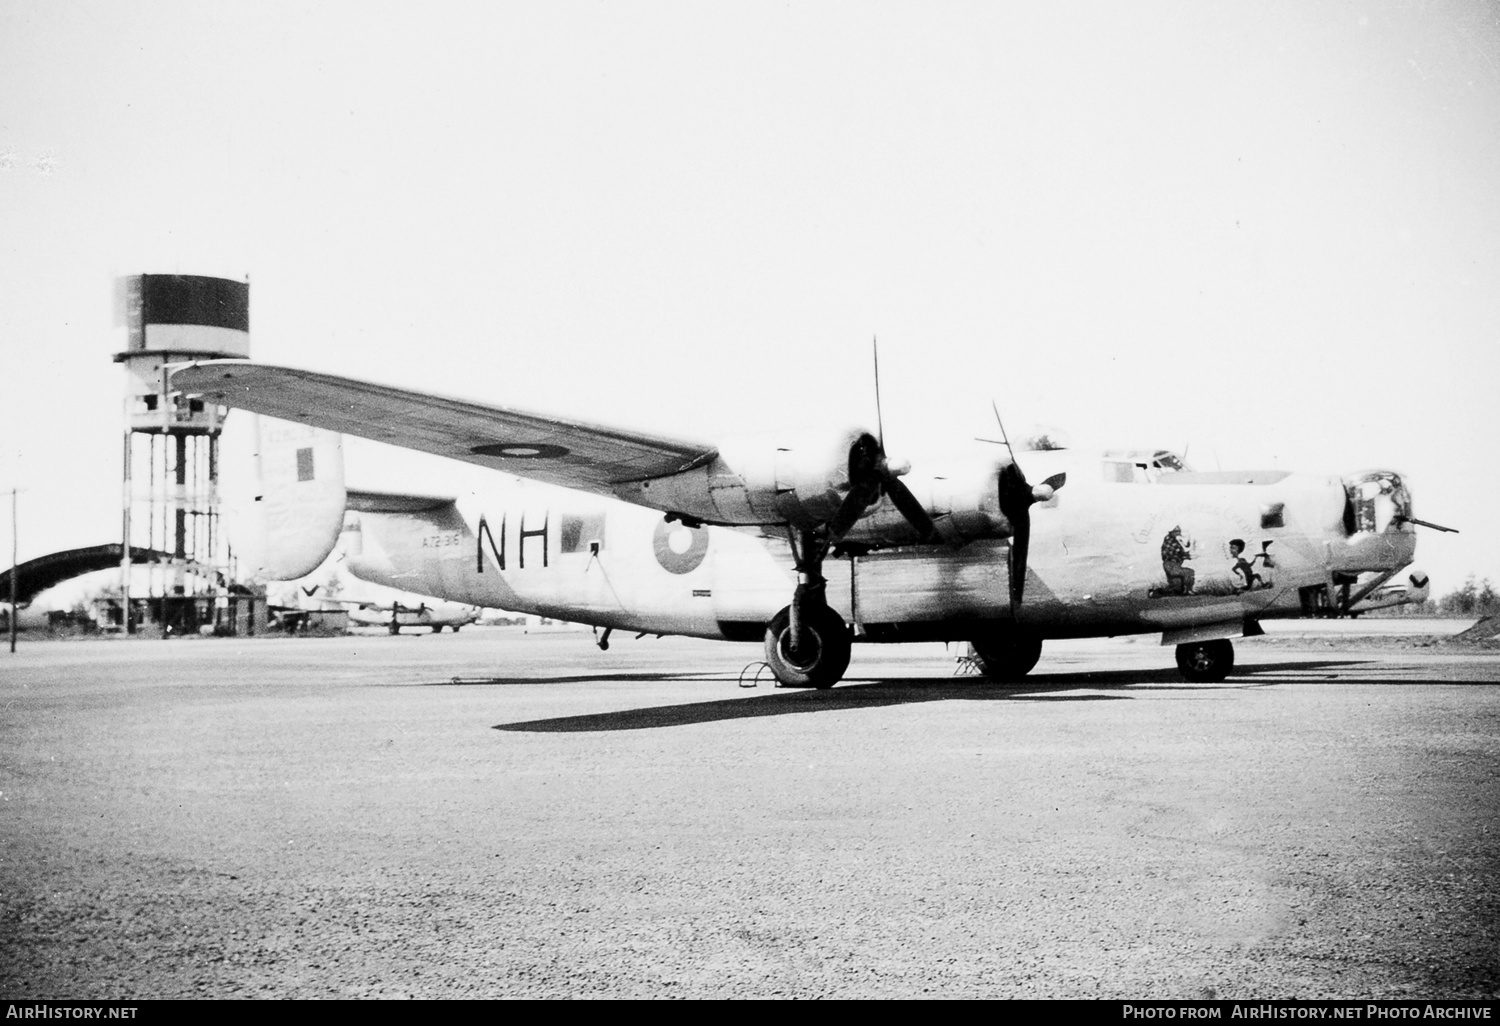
x=872 y=474
x=1017 y=496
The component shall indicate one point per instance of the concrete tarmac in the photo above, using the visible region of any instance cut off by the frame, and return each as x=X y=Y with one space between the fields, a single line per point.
x=498 y=814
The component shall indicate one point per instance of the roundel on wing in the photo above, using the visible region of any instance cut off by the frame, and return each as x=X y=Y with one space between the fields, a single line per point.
x=679 y=549
x=520 y=450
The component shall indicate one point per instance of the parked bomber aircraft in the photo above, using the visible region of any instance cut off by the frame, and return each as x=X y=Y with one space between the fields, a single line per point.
x=394 y=614
x=437 y=615
x=812 y=543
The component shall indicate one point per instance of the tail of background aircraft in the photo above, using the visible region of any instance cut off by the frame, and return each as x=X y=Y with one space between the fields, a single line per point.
x=290 y=520
x=1415 y=590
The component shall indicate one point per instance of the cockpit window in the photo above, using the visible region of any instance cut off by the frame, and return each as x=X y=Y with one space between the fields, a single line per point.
x=1125 y=472
x=1140 y=467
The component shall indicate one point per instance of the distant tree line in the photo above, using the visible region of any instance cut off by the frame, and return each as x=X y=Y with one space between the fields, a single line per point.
x=1474 y=598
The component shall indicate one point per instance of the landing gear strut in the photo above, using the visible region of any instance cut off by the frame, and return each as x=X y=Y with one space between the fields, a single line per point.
x=1206 y=662
x=807 y=644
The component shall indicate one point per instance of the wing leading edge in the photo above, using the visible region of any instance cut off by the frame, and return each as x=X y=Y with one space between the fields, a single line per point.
x=569 y=453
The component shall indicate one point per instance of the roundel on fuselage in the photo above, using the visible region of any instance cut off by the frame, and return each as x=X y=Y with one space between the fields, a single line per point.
x=679 y=549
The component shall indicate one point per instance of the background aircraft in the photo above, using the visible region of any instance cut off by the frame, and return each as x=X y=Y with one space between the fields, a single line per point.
x=409 y=611
x=396 y=615
x=329 y=589
x=813 y=542
x=392 y=614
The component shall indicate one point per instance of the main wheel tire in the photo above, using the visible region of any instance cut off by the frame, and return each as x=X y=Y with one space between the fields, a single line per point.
x=825 y=649
x=1206 y=662
x=1006 y=655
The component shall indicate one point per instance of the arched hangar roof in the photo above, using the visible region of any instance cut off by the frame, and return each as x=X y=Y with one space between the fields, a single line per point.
x=37 y=575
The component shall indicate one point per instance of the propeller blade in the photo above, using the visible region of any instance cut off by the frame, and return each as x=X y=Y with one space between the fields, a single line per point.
x=1048 y=488
x=1016 y=499
x=910 y=507
x=1003 y=436
x=1015 y=505
x=1015 y=492
x=1020 y=543
x=850 y=510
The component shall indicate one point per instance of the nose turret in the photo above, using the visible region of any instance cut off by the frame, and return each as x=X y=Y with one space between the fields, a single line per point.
x=1377 y=523
x=1377 y=501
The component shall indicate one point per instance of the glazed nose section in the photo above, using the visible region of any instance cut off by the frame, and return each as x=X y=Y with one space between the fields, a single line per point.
x=1376 y=501
x=1378 y=523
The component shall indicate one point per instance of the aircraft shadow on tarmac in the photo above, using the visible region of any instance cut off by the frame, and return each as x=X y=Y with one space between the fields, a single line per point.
x=866 y=693
x=575 y=678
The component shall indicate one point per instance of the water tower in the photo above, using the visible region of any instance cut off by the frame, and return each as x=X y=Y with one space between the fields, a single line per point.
x=171 y=487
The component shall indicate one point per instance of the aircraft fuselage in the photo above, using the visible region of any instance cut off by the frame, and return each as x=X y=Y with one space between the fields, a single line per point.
x=1110 y=554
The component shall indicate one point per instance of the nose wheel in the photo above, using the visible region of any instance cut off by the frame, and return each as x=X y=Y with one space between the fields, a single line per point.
x=1206 y=662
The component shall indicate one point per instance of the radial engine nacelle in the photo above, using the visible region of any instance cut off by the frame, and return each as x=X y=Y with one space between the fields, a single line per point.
x=800 y=479
x=839 y=480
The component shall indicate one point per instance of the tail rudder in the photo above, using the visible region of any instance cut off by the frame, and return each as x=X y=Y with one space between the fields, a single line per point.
x=292 y=518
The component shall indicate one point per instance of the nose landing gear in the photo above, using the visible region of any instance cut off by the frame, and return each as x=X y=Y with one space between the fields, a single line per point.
x=1206 y=662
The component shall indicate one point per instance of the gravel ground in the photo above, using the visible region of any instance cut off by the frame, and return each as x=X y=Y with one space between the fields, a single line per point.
x=337 y=818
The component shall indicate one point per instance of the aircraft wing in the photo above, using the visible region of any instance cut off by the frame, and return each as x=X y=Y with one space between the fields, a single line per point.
x=551 y=449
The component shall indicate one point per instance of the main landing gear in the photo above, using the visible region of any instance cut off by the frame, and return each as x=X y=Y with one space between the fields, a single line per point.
x=1006 y=654
x=818 y=659
x=1206 y=662
x=807 y=643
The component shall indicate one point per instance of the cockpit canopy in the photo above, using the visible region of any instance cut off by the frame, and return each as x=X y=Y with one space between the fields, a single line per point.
x=1142 y=466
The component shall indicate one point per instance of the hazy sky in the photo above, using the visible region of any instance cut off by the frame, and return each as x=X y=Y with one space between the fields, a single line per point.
x=1270 y=231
